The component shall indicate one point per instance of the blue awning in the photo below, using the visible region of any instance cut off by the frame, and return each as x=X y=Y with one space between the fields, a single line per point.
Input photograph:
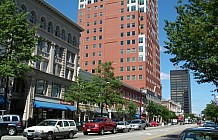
x=40 y=104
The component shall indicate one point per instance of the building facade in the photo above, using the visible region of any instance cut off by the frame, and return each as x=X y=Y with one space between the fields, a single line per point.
x=180 y=88
x=172 y=106
x=40 y=93
x=126 y=33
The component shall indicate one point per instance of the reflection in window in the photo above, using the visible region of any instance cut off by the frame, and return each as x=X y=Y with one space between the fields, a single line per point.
x=41 y=87
x=56 y=90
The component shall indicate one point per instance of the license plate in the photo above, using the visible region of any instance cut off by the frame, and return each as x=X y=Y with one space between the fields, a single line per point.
x=88 y=130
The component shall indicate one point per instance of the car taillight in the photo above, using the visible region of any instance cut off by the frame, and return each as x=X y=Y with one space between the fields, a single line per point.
x=84 y=125
x=96 y=125
x=19 y=124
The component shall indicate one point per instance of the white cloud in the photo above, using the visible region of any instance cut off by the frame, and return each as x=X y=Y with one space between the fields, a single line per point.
x=164 y=76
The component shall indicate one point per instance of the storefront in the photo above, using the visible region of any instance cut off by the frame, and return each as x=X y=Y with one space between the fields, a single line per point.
x=50 y=110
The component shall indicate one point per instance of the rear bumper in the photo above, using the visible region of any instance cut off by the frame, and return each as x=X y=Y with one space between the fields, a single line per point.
x=92 y=130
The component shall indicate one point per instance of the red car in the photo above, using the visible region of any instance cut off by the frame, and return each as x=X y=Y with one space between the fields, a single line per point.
x=99 y=125
x=153 y=124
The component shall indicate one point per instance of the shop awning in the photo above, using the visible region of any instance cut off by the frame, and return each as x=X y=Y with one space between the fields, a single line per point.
x=40 y=104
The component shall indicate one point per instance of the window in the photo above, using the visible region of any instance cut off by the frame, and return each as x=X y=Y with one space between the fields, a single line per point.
x=95 y=1
x=93 y=53
x=133 y=24
x=133 y=50
x=95 y=14
x=142 y=26
x=63 y=36
x=88 y=16
x=50 y=27
x=33 y=17
x=100 y=14
x=128 y=17
x=100 y=37
x=121 y=60
x=121 y=43
x=101 y=6
x=100 y=22
x=99 y=61
x=94 y=30
x=142 y=18
x=128 y=77
x=141 y=2
x=122 y=3
x=99 y=53
x=128 y=51
x=128 y=25
x=128 y=34
x=141 y=10
x=93 y=46
x=133 y=1
x=122 y=18
x=121 y=51
x=43 y=23
x=128 y=68
x=74 y=41
x=69 y=38
x=122 y=10
x=133 y=68
x=128 y=59
x=121 y=35
x=121 y=78
x=87 y=47
x=87 y=55
x=87 y=31
x=89 y=1
x=100 y=45
x=141 y=40
x=87 y=24
x=93 y=62
x=140 y=48
x=140 y=67
x=86 y=63
x=133 y=41
x=128 y=42
x=121 y=68
x=95 y=22
x=56 y=90
x=140 y=58
x=140 y=77
x=133 y=16
x=121 y=26
x=133 y=8
x=133 y=33
x=133 y=77
x=94 y=37
x=41 y=87
x=87 y=38
x=133 y=59
x=93 y=70
x=96 y=7
x=57 y=31
x=89 y=8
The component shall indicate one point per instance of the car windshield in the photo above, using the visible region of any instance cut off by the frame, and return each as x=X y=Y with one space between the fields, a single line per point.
x=135 y=121
x=47 y=123
x=120 y=123
x=199 y=135
x=98 y=120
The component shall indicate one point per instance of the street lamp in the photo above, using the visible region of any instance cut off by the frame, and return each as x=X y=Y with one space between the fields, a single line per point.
x=140 y=109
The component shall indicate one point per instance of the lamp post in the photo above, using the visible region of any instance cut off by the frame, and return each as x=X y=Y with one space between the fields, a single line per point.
x=140 y=109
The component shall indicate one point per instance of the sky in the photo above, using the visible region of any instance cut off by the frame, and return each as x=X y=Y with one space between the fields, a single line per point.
x=200 y=93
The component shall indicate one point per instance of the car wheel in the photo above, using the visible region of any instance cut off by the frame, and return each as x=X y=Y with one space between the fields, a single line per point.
x=101 y=131
x=71 y=134
x=113 y=130
x=12 y=131
x=85 y=133
x=144 y=128
x=49 y=136
x=129 y=130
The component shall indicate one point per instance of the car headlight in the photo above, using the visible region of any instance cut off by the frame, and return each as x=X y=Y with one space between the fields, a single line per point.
x=39 y=131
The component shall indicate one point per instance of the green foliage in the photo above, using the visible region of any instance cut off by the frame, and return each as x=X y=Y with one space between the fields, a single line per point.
x=211 y=111
x=17 y=41
x=107 y=86
x=131 y=108
x=193 y=39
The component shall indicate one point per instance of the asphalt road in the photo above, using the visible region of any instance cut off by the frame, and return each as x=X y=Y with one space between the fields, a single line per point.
x=151 y=133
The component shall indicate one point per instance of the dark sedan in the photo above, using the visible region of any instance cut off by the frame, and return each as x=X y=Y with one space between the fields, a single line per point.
x=203 y=133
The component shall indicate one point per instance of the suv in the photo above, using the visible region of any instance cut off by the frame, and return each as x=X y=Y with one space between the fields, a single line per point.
x=14 y=123
x=51 y=128
x=138 y=124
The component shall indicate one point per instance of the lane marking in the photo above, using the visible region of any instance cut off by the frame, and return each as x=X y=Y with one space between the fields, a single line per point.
x=162 y=135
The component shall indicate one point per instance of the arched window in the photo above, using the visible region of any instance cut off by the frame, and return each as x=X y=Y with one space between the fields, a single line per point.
x=69 y=38
x=50 y=27
x=57 y=31
x=43 y=23
x=33 y=17
x=23 y=8
x=63 y=36
x=74 y=41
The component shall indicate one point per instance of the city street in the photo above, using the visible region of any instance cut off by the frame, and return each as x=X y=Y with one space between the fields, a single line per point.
x=151 y=133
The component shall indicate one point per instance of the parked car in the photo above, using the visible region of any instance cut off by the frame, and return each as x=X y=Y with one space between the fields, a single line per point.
x=209 y=124
x=153 y=124
x=3 y=129
x=138 y=124
x=99 y=125
x=14 y=123
x=51 y=128
x=123 y=126
x=199 y=134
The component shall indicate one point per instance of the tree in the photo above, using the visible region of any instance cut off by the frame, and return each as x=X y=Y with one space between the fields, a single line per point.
x=211 y=111
x=132 y=108
x=80 y=91
x=17 y=42
x=107 y=86
x=152 y=109
x=193 y=39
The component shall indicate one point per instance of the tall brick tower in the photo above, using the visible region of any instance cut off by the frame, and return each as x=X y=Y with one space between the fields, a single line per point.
x=125 y=32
